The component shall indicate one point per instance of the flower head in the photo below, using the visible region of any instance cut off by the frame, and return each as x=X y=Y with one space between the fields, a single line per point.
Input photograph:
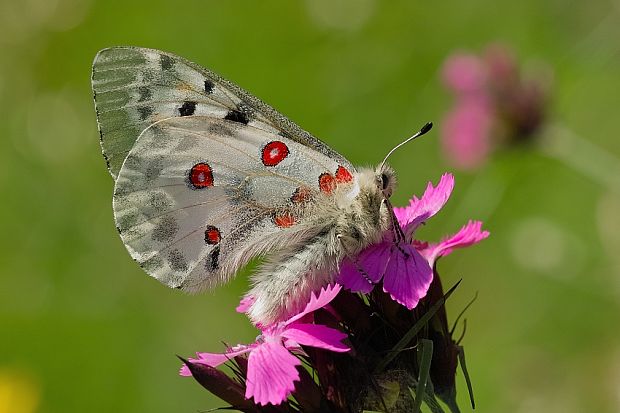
x=406 y=274
x=272 y=368
x=406 y=267
x=495 y=104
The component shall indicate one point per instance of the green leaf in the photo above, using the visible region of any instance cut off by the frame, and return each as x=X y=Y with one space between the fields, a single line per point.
x=426 y=348
x=431 y=400
x=470 y=388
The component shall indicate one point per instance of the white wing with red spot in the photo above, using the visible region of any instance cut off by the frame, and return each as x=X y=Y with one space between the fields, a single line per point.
x=136 y=87
x=197 y=197
x=207 y=175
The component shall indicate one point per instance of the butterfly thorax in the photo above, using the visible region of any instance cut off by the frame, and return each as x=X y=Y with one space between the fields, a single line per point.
x=364 y=218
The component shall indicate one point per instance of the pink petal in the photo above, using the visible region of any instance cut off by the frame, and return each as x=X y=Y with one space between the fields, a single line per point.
x=245 y=304
x=407 y=276
x=419 y=210
x=325 y=296
x=352 y=279
x=464 y=73
x=372 y=261
x=466 y=133
x=215 y=359
x=271 y=373
x=184 y=370
x=469 y=234
x=316 y=335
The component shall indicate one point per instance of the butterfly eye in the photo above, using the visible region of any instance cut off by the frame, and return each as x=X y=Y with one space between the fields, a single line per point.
x=385 y=181
x=387 y=184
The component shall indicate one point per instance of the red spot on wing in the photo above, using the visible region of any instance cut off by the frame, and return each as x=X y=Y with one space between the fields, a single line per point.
x=201 y=175
x=212 y=235
x=301 y=195
x=274 y=152
x=327 y=182
x=284 y=220
x=343 y=175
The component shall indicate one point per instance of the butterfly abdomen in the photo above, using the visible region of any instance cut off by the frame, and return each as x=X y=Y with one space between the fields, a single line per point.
x=287 y=278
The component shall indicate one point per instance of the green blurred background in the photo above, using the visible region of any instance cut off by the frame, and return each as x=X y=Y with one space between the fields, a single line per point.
x=82 y=328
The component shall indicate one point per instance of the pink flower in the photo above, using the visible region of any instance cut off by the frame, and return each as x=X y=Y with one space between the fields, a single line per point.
x=464 y=73
x=496 y=104
x=466 y=133
x=405 y=272
x=406 y=267
x=272 y=368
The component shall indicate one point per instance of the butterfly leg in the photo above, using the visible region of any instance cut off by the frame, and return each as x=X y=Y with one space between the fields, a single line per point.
x=397 y=231
x=353 y=259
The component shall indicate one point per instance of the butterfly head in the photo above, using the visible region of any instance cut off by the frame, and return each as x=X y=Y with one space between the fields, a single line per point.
x=385 y=176
x=386 y=180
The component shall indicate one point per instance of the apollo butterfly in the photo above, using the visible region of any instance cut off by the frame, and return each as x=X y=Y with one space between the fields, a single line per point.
x=208 y=176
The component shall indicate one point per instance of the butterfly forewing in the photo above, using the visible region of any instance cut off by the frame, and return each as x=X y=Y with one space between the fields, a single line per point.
x=135 y=87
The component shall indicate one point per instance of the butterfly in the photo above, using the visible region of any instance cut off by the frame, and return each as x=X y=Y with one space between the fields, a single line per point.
x=208 y=177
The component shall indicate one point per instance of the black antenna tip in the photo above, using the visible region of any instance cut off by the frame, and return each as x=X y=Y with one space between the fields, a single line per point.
x=426 y=128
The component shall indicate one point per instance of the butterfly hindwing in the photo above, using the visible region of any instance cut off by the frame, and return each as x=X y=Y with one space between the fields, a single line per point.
x=198 y=196
x=136 y=87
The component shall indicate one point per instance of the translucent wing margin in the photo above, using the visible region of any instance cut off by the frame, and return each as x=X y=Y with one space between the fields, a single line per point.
x=136 y=87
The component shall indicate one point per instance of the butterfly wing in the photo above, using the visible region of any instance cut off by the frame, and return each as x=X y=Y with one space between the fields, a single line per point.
x=207 y=175
x=135 y=87
x=197 y=197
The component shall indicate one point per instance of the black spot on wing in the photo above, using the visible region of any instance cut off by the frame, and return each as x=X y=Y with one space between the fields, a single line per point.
x=166 y=62
x=213 y=259
x=242 y=114
x=145 y=93
x=144 y=112
x=237 y=116
x=188 y=108
x=209 y=86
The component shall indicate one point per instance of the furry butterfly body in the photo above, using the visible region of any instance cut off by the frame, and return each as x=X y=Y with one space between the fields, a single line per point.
x=208 y=176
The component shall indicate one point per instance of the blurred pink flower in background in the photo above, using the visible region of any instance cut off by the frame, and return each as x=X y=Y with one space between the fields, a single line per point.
x=496 y=104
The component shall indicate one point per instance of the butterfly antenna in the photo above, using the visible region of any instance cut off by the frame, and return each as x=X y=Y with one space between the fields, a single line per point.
x=421 y=132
